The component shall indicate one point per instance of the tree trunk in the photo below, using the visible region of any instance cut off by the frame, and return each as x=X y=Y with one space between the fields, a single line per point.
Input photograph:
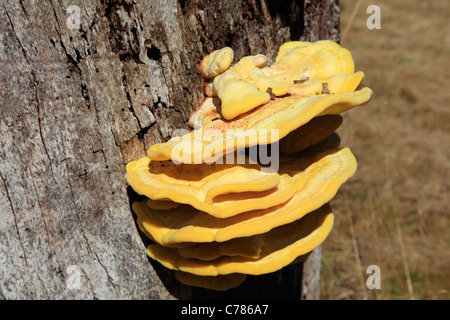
x=79 y=101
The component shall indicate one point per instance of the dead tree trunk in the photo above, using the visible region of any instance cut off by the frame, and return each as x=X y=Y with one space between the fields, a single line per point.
x=79 y=100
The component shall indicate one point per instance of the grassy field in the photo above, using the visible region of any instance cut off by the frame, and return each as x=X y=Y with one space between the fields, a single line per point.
x=394 y=211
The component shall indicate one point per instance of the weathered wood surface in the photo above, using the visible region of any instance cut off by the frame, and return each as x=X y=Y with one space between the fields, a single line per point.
x=77 y=104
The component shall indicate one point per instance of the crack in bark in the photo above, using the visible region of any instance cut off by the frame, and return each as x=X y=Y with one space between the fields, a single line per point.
x=23 y=9
x=83 y=233
x=142 y=130
x=127 y=94
x=42 y=214
x=73 y=62
x=115 y=140
x=90 y=284
x=15 y=34
x=35 y=85
x=85 y=94
x=39 y=118
x=15 y=218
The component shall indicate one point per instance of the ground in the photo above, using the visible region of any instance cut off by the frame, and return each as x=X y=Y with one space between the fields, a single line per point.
x=393 y=213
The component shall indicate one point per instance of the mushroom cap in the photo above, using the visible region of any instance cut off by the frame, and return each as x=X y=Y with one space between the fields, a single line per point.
x=198 y=185
x=337 y=83
x=229 y=204
x=214 y=223
x=216 y=62
x=208 y=88
x=306 y=80
x=205 y=113
x=321 y=61
x=317 y=179
x=286 y=244
x=281 y=114
x=245 y=66
x=309 y=134
x=298 y=60
x=243 y=87
x=237 y=95
x=209 y=108
x=249 y=247
x=263 y=83
x=218 y=283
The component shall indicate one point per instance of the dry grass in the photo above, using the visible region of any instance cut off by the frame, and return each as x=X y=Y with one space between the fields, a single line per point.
x=394 y=211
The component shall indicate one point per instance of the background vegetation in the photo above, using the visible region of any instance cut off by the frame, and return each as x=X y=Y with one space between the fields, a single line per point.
x=394 y=212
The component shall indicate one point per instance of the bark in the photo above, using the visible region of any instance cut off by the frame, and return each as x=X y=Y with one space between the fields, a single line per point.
x=77 y=104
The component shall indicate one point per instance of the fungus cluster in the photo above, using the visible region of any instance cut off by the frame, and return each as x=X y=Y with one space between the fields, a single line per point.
x=212 y=207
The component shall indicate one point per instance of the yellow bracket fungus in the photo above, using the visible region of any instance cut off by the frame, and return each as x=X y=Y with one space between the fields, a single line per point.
x=245 y=66
x=298 y=60
x=317 y=180
x=309 y=134
x=211 y=188
x=286 y=244
x=229 y=204
x=216 y=62
x=214 y=222
x=282 y=114
x=264 y=83
x=249 y=247
x=205 y=113
x=237 y=95
x=249 y=68
x=342 y=83
x=337 y=83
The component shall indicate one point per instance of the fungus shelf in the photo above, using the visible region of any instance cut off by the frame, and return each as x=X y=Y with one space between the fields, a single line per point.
x=212 y=221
